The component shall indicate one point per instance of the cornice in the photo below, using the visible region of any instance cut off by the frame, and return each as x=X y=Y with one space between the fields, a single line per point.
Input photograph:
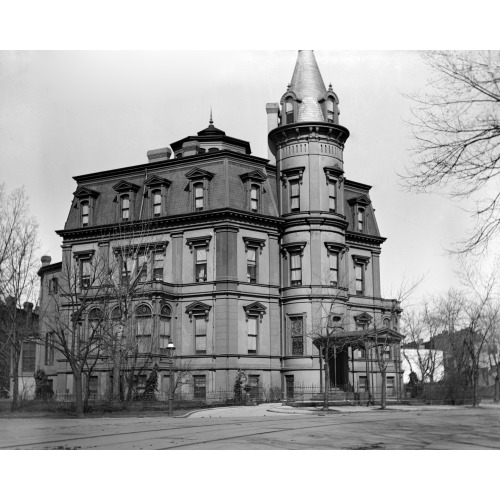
x=173 y=162
x=172 y=223
x=353 y=237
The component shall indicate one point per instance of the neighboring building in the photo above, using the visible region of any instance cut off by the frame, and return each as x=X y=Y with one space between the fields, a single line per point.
x=18 y=326
x=235 y=258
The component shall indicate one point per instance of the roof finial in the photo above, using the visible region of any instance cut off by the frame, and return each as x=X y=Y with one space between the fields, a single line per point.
x=330 y=87
x=211 y=122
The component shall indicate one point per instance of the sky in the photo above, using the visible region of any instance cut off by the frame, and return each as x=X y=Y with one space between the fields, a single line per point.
x=67 y=113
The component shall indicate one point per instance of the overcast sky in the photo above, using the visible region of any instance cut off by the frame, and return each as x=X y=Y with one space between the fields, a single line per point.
x=72 y=113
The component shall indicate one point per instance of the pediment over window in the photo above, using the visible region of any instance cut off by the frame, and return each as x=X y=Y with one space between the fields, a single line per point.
x=198 y=241
x=198 y=173
x=296 y=246
x=154 y=180
x=363 y=319
x=254 y=242
x=361 y=200
x=255 y=309
x=83 y=254
x=336 y=247
x=198 y=309
x=83 y=192
x=335 y=171
x=361 y=259
x=125 y=186
x=254 y=175
x=290 y=173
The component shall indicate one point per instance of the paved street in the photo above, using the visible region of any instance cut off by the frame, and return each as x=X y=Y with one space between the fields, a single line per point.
x=261 y=428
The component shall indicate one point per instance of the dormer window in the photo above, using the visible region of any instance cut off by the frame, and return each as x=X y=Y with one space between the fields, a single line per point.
x=254 y=198
x=199 y=184
x=156 y=203
x=198 y=196
x=85 y=213
x=125 y=207
x=361 y=219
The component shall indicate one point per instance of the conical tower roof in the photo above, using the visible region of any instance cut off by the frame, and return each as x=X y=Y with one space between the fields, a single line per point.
x=307 y=84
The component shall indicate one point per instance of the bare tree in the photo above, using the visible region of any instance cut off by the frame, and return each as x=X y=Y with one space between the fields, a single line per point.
x=419 y=326
x=18 y=283
x=457 y=133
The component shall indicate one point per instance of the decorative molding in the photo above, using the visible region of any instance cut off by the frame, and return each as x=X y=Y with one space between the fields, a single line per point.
x=291 y=173
x=286 y=248
x=124 y=186
x=254 y=242
x=83 y=192
x=154 y=180
x=336 y=247
x=198 y=309
x=83 y=254
x=198 y=173
x=361 y=200
x=198 y=241
x=363 y=319
x=141 y=248
x=254 y=175
x=361 y=259
x=335 y=173
x=255 y=309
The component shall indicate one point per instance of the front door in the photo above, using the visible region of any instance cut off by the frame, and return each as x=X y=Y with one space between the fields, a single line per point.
x=339 y=368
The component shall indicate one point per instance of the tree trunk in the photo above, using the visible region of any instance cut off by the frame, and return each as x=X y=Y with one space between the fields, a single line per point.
x=77 y=374
x=497 y=385
x=327 y=383
x=15 y=381
x=115 y=390
x=383 y=394
x=474 y=390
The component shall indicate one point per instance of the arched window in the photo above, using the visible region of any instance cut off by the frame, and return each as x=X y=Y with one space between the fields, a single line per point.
x=144 y=328
x=289 y=111
x=156 y=195
x=213 y=150
x=85 y=213
x=198 y=196
x=165 y=320
x=125 y=207
x=330 y=108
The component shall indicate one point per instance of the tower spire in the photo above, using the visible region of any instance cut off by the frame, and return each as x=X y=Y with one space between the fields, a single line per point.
x=307 y=84
x=211 y=122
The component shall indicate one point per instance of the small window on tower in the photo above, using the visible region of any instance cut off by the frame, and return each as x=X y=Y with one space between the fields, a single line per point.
x=289 y=111
x=330 y=110
x=294 y=196
x=332 y=196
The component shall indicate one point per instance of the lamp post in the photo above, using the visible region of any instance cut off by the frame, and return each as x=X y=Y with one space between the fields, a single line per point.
x=170 y=355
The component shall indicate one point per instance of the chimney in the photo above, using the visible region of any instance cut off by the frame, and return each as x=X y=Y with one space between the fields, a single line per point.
x=46 y=260
x=161 y=154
